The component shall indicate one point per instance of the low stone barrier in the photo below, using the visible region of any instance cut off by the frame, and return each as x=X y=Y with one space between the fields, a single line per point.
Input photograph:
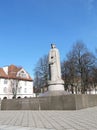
x=0 y=103
x=63 y=102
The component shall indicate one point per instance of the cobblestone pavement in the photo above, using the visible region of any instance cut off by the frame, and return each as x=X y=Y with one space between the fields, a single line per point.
x=85 y=119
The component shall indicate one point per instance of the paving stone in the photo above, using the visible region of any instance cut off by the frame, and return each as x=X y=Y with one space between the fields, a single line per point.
x=6 y=127
x=85 y=119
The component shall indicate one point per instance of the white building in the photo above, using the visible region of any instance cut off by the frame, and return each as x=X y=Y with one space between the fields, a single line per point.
x=15 y=81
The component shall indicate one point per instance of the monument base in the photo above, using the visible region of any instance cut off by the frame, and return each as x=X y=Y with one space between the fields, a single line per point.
x=57 y=87
x=53 y=93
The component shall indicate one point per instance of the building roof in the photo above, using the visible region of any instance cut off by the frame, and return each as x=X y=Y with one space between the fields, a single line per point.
x=2 y=73
x=12 y=72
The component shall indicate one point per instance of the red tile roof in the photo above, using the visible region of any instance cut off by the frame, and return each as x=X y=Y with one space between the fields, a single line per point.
x=12 y=73
x=2 y=73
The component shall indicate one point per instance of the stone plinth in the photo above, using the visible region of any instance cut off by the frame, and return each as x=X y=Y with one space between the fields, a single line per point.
x=56 y=85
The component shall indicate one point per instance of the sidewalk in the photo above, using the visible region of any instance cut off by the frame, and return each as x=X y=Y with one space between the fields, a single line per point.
x=85 y=119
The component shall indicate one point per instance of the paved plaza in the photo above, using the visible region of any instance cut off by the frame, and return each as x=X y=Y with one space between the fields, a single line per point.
x=85 y=119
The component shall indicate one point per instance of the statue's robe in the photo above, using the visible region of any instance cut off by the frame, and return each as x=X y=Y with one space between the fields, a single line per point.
x=54 y=65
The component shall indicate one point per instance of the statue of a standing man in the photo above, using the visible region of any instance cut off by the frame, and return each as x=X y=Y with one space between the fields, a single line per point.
x=55 y=82
x=54 y=64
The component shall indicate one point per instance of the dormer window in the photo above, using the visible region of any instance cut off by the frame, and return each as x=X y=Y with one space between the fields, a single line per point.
x=22 y=74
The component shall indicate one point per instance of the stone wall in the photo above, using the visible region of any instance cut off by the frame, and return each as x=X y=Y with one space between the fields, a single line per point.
x=0 y=103
x=85 y=101
x=63 y=102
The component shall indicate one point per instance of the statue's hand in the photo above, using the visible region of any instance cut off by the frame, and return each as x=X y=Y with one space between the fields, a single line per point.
x=52 y=62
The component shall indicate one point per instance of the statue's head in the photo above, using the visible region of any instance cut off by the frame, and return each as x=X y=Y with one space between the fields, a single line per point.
x=53 y=46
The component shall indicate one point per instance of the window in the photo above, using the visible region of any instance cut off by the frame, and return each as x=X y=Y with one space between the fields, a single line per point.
x=25 y=90
x=22 y=74
x=25 y=83
x=5 y=81
x=19 y=89
x=5 y=90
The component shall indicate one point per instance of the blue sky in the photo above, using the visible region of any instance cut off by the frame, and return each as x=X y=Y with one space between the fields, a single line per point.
x=28 y=27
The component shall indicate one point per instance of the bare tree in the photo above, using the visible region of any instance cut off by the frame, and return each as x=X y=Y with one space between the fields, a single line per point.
x=79 y=64
x=14 y=86
x=41 y=73
x=69 y=73
x=94 y=73
x=84 y=62
x=94 y=77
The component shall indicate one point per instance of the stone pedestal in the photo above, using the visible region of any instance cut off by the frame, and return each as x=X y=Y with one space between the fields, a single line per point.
x=56 y=85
